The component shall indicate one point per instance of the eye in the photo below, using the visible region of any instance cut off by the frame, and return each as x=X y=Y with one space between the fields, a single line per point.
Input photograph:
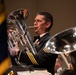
x=38 y=20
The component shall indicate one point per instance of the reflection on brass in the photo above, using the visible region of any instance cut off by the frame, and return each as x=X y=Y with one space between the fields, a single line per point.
x=17 y=30
x=11 y=73
x=62 y=42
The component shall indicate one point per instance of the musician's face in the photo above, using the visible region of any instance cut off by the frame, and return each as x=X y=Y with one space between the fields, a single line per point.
x=40 y=25
x=58 y=64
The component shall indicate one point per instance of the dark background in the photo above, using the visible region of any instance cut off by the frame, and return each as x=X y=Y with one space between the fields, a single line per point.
x=63 y=11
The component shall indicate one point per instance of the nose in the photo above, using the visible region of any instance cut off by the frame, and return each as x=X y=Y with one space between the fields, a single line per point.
x=35 y=22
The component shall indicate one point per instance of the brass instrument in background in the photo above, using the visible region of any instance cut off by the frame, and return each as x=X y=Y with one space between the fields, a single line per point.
x=17 y=29
x=62 y=43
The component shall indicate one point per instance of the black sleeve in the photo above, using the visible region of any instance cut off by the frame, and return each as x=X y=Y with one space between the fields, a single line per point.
x=35 y=59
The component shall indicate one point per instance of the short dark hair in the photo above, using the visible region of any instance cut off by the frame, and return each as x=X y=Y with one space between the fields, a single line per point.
x=48 y=18
x=60 y=59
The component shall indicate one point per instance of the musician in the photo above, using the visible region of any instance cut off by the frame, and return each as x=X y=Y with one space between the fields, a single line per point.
x=58 y=65
x=71 y=70
x=43 y=22
x=72 y=61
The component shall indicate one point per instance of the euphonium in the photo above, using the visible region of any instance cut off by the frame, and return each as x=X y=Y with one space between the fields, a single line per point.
x=62 y=43
x=17 y=29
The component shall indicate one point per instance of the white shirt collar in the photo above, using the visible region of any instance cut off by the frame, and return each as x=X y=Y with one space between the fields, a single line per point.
x=43 y=34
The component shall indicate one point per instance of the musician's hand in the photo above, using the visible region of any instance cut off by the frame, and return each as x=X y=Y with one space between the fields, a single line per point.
x=25 y=13
x=14 y=51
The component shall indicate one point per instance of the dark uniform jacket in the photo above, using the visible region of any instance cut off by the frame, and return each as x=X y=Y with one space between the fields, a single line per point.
x=43 y=59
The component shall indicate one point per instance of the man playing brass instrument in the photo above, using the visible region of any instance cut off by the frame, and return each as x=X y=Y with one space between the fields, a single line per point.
x=43 y=59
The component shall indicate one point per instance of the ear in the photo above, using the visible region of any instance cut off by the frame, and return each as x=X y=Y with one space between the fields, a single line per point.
x=48 y=24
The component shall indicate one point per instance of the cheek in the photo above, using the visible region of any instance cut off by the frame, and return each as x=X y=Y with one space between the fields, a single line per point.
x=42 y=26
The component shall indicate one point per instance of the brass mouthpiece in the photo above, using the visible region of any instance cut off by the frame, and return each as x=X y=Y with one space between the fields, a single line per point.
x=30 y=27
